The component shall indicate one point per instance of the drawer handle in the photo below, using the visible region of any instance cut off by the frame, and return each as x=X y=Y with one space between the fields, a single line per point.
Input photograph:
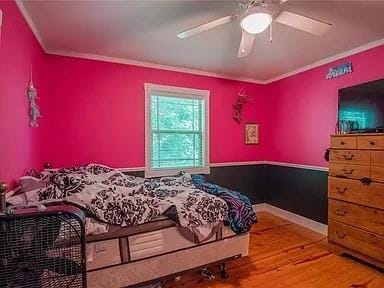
x=366 y=181
x=341 y=190
x=348 y=157
x=340 y=235
x=372 y=143
x=340 y=212
x=342 y=142
x=348 y=171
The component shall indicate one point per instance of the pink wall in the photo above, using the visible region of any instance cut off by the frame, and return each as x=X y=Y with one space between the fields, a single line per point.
x=95 y=113
x=19 y=49
x=304 y=111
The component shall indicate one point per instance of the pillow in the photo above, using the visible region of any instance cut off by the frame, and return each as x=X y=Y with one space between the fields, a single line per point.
x=29 y=183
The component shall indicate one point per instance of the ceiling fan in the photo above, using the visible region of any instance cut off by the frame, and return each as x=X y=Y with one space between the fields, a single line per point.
x=255 y=17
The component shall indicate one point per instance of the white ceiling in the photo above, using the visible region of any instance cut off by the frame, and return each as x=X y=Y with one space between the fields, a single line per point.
x=146 y=31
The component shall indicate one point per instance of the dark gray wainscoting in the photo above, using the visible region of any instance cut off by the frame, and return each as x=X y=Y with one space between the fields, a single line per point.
x=247 y=179
x=135 y=173
x=298 y=190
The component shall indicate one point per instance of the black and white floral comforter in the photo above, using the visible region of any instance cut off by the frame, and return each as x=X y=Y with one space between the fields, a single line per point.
x=119 y=199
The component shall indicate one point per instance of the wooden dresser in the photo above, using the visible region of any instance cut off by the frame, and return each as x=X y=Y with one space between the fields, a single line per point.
x=356 y=196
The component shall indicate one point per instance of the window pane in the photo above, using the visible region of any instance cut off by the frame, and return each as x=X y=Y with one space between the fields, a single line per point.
x=155 y=147
x=172 y=113
x=197 y=115
x=154 y=112
x=176 y=150
x=199 y=149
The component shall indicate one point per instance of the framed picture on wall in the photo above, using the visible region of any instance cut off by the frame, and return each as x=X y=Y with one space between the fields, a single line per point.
x=251 y=133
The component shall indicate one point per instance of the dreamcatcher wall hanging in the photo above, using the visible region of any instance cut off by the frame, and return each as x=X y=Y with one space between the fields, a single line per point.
x=34 y=110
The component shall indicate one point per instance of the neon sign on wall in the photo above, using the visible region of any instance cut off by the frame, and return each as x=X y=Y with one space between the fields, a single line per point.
x=338 y=71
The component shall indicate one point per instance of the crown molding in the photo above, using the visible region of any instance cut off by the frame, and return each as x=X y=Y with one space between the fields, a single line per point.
x=149 y=65
x=217 y=75
x=31 y=24
x=338 y=56
x=125 y=61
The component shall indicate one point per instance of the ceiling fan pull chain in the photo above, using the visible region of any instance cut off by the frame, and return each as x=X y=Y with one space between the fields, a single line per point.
x=270 y=33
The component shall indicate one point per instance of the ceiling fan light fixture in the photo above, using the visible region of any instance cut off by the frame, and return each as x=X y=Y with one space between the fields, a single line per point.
x=256 y=23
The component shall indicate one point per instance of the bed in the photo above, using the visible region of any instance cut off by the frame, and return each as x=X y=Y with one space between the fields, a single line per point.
x=153 y=251
x=139 y=230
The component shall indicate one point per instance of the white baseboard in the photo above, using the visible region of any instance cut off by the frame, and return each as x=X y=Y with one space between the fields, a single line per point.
x=293 y=165
x=259 y=207
x=295 y=218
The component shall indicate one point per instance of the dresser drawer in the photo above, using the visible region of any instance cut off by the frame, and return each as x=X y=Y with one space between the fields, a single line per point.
x=346 y=142
x=370 y=142
x=349 y=170
x=370 y=219
x=350 y=156
x=377 y=158
x=377 y=173
x=356 y=239
x=355 y=191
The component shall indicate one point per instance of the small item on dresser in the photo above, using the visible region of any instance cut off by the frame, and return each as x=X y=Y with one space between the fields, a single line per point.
x=346 y=126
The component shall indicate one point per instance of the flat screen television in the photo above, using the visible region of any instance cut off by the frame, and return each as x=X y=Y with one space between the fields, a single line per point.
x=363 y=104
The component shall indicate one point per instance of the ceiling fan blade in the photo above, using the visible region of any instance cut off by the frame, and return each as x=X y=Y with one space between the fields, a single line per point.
x=246 y=44
x=206 y=26
x=300 y=22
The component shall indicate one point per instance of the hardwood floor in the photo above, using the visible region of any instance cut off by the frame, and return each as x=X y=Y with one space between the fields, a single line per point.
x=284 y=255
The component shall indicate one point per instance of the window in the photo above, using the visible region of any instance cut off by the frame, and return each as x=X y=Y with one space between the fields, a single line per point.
x=176 y=130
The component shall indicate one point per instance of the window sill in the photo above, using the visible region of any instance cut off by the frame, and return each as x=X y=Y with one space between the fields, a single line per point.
x=150 y=173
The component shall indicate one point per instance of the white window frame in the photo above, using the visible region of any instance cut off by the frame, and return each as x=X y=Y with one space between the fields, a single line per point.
x=177 y=92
